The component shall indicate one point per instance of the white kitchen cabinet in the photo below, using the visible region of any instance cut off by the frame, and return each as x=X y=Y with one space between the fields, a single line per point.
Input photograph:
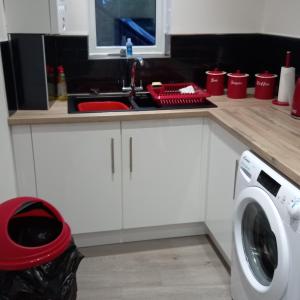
x=24 y=160
x=224 y=152
x=3 y=30
x=75 y=167
x=47 y=16
x=162 y=172
x=77 y=17
x=7 y=168
x=78 y=169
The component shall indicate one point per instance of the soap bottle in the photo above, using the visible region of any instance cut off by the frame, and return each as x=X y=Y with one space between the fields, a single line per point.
x=61 y=84
x=129 y=47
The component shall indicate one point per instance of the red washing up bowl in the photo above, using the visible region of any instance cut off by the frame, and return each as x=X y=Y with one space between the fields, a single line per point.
x=28 y=216
x=101 y=106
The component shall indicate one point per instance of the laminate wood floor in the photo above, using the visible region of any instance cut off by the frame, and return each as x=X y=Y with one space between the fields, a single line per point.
x=170 y=269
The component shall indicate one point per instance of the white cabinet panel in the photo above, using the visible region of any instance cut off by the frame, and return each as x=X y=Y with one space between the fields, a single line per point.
x=78 y=169
x=162 y=172
x=69 y=17
x=224 y=151
x=77 y=17
x=28 y=16
x=7 y=170
x=24 y=161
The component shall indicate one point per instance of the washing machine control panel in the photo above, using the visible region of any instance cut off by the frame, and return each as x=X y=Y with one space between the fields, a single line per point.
x=247 y=168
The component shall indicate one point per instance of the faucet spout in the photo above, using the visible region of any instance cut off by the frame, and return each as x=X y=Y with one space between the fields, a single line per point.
x=137 y=60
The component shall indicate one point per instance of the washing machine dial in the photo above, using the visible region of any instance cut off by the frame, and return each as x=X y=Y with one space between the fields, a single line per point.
x=294 y=209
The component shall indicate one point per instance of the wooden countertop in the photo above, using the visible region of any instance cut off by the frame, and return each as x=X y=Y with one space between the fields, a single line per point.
x=268 y=130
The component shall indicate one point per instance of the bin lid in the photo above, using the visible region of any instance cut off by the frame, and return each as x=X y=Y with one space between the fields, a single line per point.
x=21 y=254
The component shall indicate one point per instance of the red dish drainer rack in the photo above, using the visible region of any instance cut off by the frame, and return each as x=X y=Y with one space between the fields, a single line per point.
x=169 y=94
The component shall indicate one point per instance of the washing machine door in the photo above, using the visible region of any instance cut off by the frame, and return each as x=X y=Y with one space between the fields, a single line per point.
x=261 y=245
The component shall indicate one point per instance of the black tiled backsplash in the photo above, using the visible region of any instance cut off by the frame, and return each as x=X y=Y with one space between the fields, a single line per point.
x=83 y=74
x=191 y=56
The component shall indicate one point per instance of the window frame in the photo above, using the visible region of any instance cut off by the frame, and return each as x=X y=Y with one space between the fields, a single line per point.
x=114 y=51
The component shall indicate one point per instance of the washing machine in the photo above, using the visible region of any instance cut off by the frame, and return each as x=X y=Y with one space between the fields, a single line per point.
x=266 y=234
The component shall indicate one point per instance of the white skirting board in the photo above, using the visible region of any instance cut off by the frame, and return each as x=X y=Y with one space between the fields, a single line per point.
x=139 y=234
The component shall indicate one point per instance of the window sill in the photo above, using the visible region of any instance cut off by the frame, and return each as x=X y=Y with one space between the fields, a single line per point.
x=117 y=56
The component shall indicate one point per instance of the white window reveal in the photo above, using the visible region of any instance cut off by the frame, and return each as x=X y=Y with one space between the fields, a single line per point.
x=112 y=22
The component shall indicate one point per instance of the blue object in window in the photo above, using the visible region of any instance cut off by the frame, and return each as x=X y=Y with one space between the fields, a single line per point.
x=138 y=30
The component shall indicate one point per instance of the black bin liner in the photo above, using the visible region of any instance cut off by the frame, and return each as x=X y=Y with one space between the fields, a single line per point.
x=54 y=280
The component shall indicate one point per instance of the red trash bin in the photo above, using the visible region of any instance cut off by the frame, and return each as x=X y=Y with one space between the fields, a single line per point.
x=17 y=253
x=38 y=258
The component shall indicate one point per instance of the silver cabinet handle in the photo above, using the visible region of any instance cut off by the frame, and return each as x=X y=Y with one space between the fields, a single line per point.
x=235 y=175
x=130 y=155
x=112 y=152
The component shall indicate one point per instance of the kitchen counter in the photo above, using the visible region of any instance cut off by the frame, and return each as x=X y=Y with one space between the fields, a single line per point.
x=58 y=113
x=268 y=130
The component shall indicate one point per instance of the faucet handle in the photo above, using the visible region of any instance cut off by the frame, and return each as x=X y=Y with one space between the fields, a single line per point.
x=140 y=88
x=125 y=88
x=95 y=91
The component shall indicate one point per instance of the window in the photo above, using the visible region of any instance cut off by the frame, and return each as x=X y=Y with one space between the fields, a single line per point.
x=113 y=21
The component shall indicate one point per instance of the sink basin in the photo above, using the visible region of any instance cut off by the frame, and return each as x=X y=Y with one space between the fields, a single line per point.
x=104 y=102
x=99 y=103
x=101 y=106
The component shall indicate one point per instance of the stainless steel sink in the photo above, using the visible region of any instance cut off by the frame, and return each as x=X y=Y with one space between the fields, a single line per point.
x=142 y=101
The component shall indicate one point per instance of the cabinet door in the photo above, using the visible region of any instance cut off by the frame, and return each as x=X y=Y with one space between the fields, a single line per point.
x=78 y=169
x=162 y=172
x=224 y=152
x=77 y=17
x=27 y=16
x=24 y=160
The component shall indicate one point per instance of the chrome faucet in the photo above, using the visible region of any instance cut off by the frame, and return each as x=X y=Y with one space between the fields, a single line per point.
x=139 y=60
x=133 y=88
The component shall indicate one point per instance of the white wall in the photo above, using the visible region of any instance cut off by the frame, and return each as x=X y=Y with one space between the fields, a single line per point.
x=3 y=30
x=216 y=16
x=282 y=17
x=7 y=172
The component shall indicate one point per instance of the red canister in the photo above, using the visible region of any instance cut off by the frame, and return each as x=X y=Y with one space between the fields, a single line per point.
x=215 y=82
x=237 y=85
x=265 y=85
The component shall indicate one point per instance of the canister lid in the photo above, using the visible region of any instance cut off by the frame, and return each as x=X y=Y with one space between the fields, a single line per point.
x=238 y=74
x=216 y=71
x=266 y=74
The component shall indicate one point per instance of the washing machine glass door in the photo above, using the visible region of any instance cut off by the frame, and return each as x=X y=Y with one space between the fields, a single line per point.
x=261 y=244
